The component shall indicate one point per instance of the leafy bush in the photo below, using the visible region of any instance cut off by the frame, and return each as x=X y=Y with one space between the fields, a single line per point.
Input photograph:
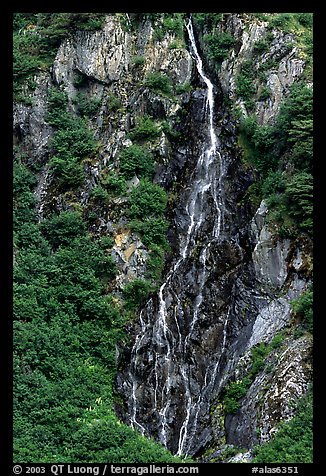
x=219 y=45
x=152 y=231
x=299 y=200
x=136 y=293
x=69 y=172
x=113 y=102
x=76 y=141
x=273 y=183
x=261 y=46
x=145 y=129
x=71 y=142
x=155 y=263
x=305 y=19
x=265 y=94
x=159 y=83
x=100 y=194
x=245 y=82
x=38 y=36
x=209 y=19
x=148 y=199
x=135 y=160
x=173 y=22
x=138 y=60
x=61 y=229
x=303 y=307
x=233 y=393
x=114 y=183
x=183 y=88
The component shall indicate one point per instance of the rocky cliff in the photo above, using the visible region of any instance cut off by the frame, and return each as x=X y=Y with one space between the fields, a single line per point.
x=229 y=278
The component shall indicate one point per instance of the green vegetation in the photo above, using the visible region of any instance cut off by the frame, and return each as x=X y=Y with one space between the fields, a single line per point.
x=113 y=102
x=136 y=293
x=137 y=61
x=148 y=199
x=219 y=45
x=145 y=129
x=100 y=194
x=245 y=83
x=72 y=142
x=167 y=23
x=65 y=333
x=183 y=88
x=209 y=19
x=147 y=206
x=158 y=82
x=116 y=185
x=282 y=155
x=233 y=393
x=136 y=160
x=303 y=308
x=293 y=442
x=152 y=231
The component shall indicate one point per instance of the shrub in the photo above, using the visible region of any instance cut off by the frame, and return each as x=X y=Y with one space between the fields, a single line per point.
x=303 y=307
x=293 y=442
x=69 y=172
x=113 y=102
x=152 y=231
x=76 y=141
x=183 y=88
x=138 y=60
x=273 y=183
x=100 y=194
x=265 y=94
x=135 y=160
x=155 y=263
x=145 y=130
x=305 y=19
x=136 y=293
x=158 y=82
x=299 y=198
x=173 y=22
x=146 y=200
x=61 y=229
x=261 y=46
x=219 y=45
x=115 y=184
x=233 y=393
x=245 y=81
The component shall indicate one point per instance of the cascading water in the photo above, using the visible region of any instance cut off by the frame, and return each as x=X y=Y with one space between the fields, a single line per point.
x=162 y=370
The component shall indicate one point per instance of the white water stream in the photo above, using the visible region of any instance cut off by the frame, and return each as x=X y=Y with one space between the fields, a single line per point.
x=207 y=181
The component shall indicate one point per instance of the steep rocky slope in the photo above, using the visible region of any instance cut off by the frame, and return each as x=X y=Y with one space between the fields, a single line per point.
x=228 y=279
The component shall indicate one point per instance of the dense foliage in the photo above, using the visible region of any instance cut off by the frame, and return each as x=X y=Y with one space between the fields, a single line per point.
x=65 y=333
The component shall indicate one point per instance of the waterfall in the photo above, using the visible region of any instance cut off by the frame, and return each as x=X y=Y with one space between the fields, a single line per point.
x=165 y=335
